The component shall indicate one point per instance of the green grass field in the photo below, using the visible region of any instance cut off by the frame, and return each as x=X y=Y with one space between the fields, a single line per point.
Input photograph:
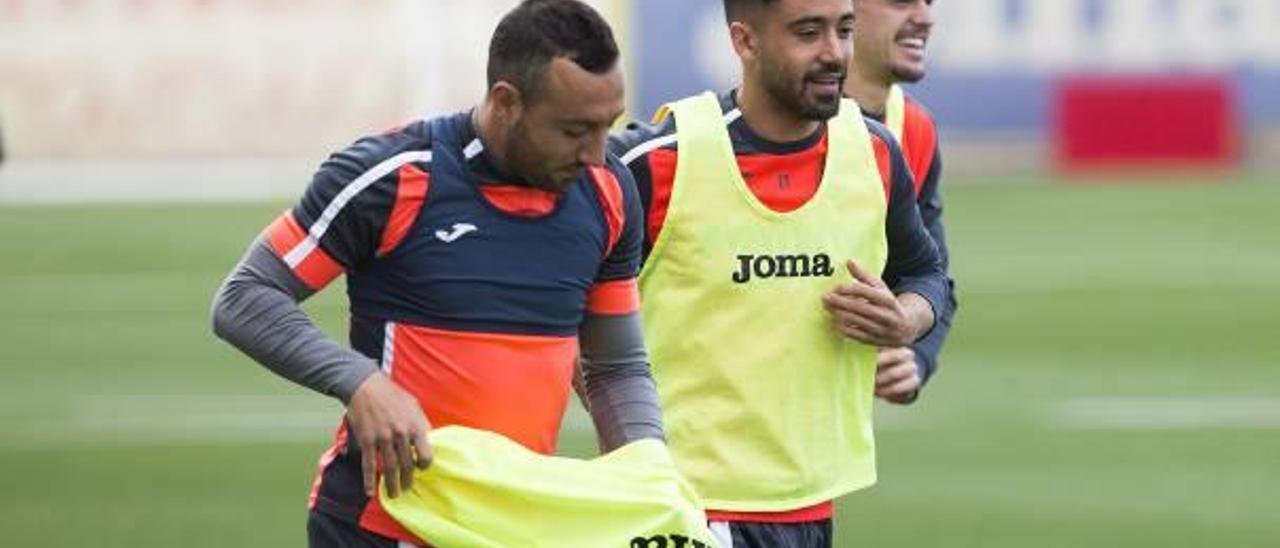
x=1112 y=380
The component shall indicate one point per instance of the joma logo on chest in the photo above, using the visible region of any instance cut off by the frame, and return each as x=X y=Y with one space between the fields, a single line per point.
x=782 y=266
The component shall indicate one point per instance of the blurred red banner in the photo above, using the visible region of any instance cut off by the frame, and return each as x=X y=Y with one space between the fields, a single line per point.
x=1160 y=122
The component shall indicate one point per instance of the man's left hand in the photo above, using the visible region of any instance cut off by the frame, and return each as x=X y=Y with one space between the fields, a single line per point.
x=897 y=375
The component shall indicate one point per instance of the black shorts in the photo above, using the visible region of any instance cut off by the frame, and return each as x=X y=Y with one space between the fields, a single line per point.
x=747 y=534
x=325 y=531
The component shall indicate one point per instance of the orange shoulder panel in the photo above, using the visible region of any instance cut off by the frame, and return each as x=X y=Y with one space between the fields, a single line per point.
x=610 y=192
x=919 y=141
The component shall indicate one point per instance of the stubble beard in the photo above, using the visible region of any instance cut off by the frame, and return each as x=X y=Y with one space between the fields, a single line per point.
x=777 y=87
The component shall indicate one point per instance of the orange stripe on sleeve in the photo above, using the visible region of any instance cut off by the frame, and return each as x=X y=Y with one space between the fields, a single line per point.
x=411 y=192
x=614 y=298
x=318 y=268
x=284 y=233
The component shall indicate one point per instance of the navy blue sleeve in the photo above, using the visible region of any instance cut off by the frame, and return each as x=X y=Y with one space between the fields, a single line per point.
x=930 y=203
x=914 y=264
x=623 y=262
x=355 y=210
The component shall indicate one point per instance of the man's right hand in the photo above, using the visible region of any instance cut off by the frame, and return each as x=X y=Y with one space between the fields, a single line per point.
x=867 y=311
x=390 y=427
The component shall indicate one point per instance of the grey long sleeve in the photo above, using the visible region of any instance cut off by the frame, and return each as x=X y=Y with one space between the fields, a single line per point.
x=256 y=310
x=619 y=388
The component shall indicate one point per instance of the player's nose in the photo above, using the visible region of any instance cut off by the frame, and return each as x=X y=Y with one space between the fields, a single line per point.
x=922 y=14
x=833 y=47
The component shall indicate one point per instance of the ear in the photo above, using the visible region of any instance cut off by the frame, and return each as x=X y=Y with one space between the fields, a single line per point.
x=745 y=41
x=507 y=101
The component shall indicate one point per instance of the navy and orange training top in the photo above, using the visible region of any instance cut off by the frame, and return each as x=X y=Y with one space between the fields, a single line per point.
x=467 y=287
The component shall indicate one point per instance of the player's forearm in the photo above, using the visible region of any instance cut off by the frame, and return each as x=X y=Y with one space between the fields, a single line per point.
x=914 y=264
x=620 y=391
x=256 y=310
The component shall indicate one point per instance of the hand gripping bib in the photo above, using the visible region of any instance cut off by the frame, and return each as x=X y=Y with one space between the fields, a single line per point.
x=484 y=490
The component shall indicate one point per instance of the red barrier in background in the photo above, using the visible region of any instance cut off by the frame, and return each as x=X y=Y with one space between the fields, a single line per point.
x=1164 y=123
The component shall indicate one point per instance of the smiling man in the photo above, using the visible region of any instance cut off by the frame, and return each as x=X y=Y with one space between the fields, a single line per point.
x=889 y=39
x=772 y=213
x=482 y=250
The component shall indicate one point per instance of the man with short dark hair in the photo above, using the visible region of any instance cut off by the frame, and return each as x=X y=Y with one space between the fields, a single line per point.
x=889 y=38
x=482 y=251
x=783 y=247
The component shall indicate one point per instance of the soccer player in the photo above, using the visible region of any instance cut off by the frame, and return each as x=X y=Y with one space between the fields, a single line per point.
x=889 y=38
x=481 y=250
x=775 y=215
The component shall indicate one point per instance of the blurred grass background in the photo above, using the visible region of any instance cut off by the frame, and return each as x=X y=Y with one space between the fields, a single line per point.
x=1111 y=380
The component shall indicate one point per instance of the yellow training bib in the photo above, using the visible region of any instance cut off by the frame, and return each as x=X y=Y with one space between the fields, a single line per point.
x=486 y=491
x=767 y=407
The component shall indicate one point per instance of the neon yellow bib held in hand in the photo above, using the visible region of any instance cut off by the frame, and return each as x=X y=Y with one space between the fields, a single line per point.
x=767 y=408
x=486 y=491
